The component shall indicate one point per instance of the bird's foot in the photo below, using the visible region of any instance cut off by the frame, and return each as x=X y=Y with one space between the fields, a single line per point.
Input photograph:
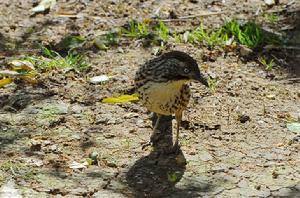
x=146 y=145
x=155 y=137
x=153 y=140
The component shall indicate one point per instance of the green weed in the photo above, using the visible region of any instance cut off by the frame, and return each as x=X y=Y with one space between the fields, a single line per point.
x=177 y=37
x=271 y=18
x=267 y=64
x=137 y=30
x=172 y=177
x=112 y=38
x=211 y=38
x=249 y=34
x=17 y=169
x=212 y=84
x=162 y=31
x=52 y=60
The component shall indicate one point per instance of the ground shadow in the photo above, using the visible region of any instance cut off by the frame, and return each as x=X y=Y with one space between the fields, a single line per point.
x=287 y=54
x=156 y=174
x=21 y=97
x=293 y=48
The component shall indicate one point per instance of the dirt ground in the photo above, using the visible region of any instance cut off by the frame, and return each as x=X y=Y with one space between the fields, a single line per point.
x=234 y=143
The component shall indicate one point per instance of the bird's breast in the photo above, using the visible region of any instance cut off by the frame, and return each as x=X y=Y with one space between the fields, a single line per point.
x=165 y=98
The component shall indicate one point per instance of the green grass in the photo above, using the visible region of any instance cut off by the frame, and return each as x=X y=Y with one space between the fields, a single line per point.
x=112 y=38
x=162 y=31
x=212 y=84
x=173 y=177
x=249 y=34
x=143 y=30
x=52 y=60
x=137 y=30
x=271 y=18
x=17 y=169
x=267 y=64
x=210 y=38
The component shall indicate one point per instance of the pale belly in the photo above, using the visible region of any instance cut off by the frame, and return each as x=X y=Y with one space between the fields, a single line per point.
x=165 y=98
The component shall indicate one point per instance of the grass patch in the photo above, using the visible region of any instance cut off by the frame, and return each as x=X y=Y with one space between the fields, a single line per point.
x=162 y=31
x=212 y=84
x=210 y=38
x=249 y=34
x=271 y=18
x=267 y=64
x=17 y=169
x=137 y=30
x=157 y=33
x=52 y=60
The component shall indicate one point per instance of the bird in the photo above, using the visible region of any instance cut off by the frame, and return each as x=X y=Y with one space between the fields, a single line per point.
x=162 y=85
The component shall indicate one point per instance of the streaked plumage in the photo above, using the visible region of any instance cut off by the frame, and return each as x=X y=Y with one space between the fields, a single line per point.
x=162 y=84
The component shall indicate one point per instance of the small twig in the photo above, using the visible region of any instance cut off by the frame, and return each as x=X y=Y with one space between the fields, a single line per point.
x=77 y=16
x=289 y=80
x=164 y=20
x=9 y=73
x=282 y=47
x=191 y=16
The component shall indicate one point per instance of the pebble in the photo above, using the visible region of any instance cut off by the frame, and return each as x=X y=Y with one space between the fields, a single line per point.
x=245 y=51
x=77 y=109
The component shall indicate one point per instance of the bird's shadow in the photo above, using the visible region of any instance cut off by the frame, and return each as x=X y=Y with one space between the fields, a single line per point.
x=156 y=174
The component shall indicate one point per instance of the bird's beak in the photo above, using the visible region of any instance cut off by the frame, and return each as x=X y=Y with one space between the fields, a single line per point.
x=199 y=77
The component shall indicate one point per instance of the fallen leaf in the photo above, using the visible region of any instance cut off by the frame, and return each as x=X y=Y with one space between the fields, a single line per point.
x=270 y=2
x=9 y=73
x=99 y=79
x=271 y=97
x=120 y=99
x=76 y=165
x=21 y=65
x=44 y=5
x=5 y=81
x=186 y=36
x=100 y=44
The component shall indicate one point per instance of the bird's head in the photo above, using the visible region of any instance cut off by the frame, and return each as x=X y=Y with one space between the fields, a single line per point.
x=181 y=66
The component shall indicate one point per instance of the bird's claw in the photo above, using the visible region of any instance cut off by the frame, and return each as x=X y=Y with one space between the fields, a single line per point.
x=146 y=145
x=154 y=138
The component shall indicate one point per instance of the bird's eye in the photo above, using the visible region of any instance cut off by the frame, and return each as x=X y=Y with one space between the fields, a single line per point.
x=186 y=70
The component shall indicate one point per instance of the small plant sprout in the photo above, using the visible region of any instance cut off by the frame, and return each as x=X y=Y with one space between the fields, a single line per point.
x=267 y=64
x=211 y=38
x=172 y=177
x=249 y=34
x=162 y=31
x=271 y=18
x=137 y=30
x=177 y=37
x=53 y=60
x=212 y=84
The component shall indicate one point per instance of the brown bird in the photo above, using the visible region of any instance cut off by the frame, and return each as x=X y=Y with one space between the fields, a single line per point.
x=162 y=85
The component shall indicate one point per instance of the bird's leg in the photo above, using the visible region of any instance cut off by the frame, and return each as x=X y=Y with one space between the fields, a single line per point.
x=154 y=133
x=178 y=117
